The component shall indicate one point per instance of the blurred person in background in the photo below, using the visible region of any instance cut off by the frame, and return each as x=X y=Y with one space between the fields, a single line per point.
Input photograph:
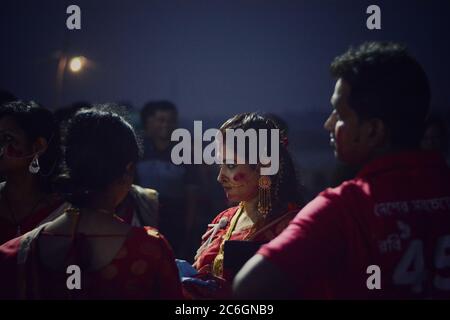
x=435 y=137
x=177 y=185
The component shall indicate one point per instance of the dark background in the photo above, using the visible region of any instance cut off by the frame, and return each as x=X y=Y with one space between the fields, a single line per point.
x=215 y=58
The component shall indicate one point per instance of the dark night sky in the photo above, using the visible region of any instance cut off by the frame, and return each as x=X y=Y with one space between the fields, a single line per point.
x=212 y=58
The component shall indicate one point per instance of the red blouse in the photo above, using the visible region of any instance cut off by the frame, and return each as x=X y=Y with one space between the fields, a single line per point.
x=205 y=260
x=144 y=268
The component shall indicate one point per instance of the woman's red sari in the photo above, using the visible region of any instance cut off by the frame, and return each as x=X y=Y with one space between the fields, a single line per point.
x=205 y=258
x=144 y=268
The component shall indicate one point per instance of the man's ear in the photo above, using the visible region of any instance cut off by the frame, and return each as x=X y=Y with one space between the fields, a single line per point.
x=128 y=175
x=40 y=145
x=375 y=132
x=130 y=169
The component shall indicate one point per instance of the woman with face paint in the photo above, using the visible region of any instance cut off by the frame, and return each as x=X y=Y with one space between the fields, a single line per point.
x=29 y=160
x=266 y=205
x=88 y=252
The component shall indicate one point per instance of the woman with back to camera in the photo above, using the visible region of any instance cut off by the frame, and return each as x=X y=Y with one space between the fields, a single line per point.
x=266 y=205
x=30 y=154
x=116 y=260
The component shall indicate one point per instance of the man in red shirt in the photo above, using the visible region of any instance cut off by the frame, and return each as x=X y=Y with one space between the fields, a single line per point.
x=386 y=233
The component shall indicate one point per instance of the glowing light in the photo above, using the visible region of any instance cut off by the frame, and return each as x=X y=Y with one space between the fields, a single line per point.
x=76 y=64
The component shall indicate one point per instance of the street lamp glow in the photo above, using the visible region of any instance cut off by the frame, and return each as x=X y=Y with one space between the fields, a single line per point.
x=76 y=64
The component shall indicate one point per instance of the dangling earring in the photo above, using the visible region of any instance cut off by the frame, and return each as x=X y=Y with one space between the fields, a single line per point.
x=34 y=165
x=264 y=198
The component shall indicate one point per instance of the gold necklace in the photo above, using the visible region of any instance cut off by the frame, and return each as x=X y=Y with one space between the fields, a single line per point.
x=217 y=268
x=259 y=223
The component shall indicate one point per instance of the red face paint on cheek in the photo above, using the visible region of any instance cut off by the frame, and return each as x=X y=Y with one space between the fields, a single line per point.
x=13 y=152
x=239 y=177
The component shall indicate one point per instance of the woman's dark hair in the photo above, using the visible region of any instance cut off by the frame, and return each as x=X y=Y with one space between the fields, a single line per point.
x=98 y=145
x=285 y=185
x=38 y=122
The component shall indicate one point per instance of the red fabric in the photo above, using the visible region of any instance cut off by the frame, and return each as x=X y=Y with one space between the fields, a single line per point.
x=327 y=248
x=206 y=259
x=204 y=263
x=144 y=268
x=8 y=230
x=8 y=268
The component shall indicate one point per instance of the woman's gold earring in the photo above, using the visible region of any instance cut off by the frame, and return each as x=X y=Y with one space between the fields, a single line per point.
x=264 y=197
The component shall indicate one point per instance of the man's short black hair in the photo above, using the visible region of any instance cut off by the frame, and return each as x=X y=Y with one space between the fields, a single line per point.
x=150 y=108
x=389 y=84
